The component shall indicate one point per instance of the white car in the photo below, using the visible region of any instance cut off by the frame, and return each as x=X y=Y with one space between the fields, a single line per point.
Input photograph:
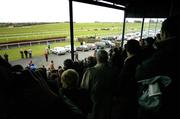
x=91 y=46
x=58 y=50
x=68 y=48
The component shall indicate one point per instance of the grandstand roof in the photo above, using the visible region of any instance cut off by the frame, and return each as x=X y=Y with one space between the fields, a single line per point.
x=141 y=8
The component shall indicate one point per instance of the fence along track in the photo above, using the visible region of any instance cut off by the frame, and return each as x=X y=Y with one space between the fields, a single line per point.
x=30 y=43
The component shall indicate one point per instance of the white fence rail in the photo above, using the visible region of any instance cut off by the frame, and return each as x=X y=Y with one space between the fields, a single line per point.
x=30 y=43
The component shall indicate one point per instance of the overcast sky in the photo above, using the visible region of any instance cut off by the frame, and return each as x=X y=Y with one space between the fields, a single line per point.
x=55 y=11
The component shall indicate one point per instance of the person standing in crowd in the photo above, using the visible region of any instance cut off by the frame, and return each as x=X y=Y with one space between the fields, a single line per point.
x=51 y=66
x=98 y=81
x=125 y=84
x=26 y=53
x=30 y=63
x=46 y=55
x=49 y=46
x=76 y=55
x=70 y=88
x=6 y=57
x=22 y=53
x=164 y=62
x=32 y=66
x=30 y=53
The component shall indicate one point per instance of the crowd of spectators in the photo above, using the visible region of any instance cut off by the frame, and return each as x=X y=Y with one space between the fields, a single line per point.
x=102 y=86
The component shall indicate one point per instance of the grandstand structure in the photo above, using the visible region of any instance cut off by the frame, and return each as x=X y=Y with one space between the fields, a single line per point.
x=132 y=9
x=97 y=88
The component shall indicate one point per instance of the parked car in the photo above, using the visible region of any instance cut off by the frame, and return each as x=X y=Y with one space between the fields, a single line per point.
x=58 y=50
x=91 y=46
x=108 y=43
x=100 y=45
x=119 y=38
x=68 y=48
x=82 y=48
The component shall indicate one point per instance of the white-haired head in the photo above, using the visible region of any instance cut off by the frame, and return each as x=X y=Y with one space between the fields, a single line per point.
x=102 y=56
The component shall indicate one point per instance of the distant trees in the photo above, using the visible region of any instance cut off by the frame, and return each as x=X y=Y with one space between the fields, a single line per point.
x=68 y=22
x=22 y=24
x=137 y=21
x=96 y=21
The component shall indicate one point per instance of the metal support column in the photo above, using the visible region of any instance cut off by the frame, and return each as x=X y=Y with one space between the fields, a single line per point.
x=142 y=28
x=123 y=32
x=71 y=29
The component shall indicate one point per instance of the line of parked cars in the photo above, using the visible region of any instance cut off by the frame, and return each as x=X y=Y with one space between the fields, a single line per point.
x=84 y=47
x=65 y=49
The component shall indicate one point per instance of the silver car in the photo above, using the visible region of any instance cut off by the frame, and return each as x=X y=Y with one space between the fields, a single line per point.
x=82 y=48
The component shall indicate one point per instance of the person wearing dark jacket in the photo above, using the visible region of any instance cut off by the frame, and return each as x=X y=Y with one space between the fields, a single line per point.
x=98 y=81
x=126 y=85
x=26 y=53
x=70 y=88
x=165 y=62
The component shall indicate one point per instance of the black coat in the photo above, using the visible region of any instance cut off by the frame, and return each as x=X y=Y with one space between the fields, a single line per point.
x=165 y=62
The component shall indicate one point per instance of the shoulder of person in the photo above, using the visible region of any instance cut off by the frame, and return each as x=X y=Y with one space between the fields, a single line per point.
x=90 y=69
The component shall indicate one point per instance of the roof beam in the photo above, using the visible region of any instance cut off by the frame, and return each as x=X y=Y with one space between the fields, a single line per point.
x=103 y=4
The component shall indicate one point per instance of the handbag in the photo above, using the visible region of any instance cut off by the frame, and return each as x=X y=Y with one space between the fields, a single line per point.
x=150 y=92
